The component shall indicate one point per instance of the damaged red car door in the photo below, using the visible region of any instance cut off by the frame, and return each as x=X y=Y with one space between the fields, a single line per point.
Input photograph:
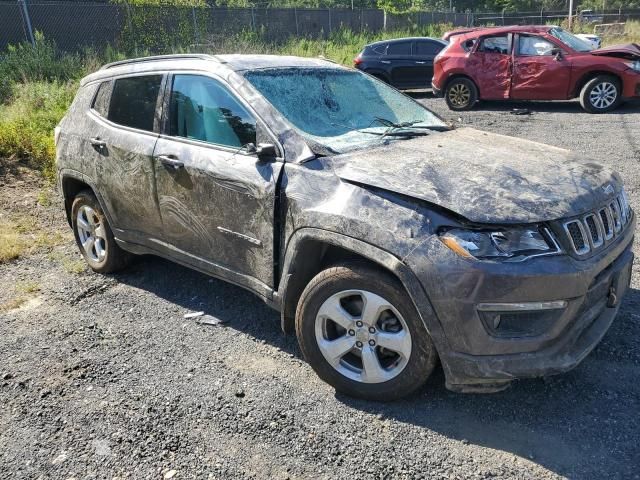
x=541 y=69
x=491 y=62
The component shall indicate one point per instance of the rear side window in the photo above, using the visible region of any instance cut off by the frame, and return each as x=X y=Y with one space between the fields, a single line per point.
x=468 y=45
x=101 y=100
x=400 y=48
x=497 y=44
x=428 y=48
x=202 y=109
x=133 y=101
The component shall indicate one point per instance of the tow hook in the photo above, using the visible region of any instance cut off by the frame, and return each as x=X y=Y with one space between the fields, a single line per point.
x=612 y=298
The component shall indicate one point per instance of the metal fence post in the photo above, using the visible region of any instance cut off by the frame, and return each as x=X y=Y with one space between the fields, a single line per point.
x=295 y=15
x=27 y=22
x=135 y=41
x=196 y=36
x=329 y=11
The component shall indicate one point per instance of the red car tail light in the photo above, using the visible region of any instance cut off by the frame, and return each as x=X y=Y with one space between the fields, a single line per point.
x=357 y=60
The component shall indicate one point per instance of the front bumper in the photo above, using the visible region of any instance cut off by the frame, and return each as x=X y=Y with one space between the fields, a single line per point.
x=436 y=91
x=474 y=358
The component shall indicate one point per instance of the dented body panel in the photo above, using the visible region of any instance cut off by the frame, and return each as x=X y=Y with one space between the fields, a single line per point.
x=269 y=225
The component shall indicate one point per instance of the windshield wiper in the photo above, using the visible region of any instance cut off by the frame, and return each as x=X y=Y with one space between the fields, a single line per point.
x=391 y=126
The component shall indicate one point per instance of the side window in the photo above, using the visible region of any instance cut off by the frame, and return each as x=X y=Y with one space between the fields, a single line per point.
x=101 y=100
x=399 y=48
x=133 y=101
x=380 y=49
x=534 y=46
x=202 y=109
x=427 y=48
x=497 y=44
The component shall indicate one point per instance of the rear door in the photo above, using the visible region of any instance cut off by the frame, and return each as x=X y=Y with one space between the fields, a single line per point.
x=538 y=73
x=424 y=51
x=401 y=64
x=490 y=66
x=216 y=201
x=122 y=137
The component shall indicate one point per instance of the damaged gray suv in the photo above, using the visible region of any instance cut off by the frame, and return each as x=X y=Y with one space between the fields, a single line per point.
x=386 y=239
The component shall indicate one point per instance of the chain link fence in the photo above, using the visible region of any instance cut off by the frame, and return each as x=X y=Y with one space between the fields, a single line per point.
x=159 y=29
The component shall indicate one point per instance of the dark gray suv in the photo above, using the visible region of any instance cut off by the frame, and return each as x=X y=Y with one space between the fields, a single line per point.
x=385 y=238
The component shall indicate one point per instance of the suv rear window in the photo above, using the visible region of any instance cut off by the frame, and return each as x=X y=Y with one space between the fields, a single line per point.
x=400 y=48
x=497 y=44
x=133 y=101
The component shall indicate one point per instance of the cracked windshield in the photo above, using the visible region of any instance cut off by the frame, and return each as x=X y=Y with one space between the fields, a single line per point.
x=342 y=110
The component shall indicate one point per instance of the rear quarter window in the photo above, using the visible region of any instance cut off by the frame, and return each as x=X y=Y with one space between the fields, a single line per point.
x=133 y=101
x=101 y=100
x=428 y=48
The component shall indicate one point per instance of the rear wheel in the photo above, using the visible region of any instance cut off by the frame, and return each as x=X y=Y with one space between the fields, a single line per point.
x=461 y=94
x=359 y=331
x=601 y=94
x=94 y=237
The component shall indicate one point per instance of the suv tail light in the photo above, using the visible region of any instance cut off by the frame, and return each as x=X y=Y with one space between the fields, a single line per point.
x=358 y=59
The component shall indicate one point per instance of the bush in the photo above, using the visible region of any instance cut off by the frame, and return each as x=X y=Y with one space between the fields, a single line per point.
x=26 y=125
x=27 y=63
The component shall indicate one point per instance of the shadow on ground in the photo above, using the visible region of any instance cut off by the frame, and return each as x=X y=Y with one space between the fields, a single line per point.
x=558 y=422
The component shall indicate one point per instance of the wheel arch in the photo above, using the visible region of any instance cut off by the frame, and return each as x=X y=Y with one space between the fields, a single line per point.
x=591 y=75
x=72 y=183
x=311 y=250
x=379 y=74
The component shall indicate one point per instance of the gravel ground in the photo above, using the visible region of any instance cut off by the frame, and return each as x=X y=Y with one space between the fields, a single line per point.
x=103 y=377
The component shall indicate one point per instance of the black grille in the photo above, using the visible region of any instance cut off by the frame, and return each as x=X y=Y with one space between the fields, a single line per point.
x=576 y=236
x=605 y=223
x=593 y=229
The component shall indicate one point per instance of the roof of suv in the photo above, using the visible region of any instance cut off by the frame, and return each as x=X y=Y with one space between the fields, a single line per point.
x=477 y=31
x=204 y=62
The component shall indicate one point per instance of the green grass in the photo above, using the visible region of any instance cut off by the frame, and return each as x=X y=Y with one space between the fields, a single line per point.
x=28 y=119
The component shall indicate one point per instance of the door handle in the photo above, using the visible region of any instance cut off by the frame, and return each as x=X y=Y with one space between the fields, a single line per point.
x=169 y=161
x=385 y=61
x=96 y=142
x=421 y=63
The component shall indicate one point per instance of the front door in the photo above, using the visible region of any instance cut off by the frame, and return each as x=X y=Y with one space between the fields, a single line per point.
x=122 y=136
x=216 y=200
x=424 y=51
x=539 y=71
x=490 y=63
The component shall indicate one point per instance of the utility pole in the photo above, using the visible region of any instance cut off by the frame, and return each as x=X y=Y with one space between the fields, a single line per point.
x=570 y=14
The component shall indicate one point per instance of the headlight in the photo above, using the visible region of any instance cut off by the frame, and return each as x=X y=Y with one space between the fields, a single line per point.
x=509 y=244
x=633 y=65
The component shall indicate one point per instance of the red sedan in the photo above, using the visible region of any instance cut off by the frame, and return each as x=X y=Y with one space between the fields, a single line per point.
x=534 y=63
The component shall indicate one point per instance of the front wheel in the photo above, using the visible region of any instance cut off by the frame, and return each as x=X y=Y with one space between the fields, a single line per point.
x=600 y=94
x=359 y=331
x=461 y=94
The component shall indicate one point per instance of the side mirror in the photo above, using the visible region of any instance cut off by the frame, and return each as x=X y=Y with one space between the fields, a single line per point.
x=266 y=151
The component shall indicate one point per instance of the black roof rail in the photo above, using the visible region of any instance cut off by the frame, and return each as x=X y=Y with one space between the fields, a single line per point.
x=157 y=58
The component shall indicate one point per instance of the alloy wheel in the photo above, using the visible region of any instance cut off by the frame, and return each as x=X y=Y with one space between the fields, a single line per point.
x=459 y=95
x=91 y=234
x=363 y=336
x=603 y=95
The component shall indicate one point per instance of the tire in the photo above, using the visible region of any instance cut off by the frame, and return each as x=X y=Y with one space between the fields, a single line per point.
x=601 y=94
x=365 y=370
x=90 y=225
x=461 y=94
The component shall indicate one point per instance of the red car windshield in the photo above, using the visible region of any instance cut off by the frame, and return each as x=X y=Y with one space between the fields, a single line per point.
x=571 y=40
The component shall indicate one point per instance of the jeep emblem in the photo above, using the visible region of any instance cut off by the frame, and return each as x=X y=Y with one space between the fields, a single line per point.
x=608 y=189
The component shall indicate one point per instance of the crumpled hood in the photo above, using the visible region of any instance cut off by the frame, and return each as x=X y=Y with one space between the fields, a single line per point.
x=629 y=50
x=484 y=177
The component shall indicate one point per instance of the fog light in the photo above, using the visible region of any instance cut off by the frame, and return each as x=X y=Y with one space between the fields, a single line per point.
x=520 y=319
